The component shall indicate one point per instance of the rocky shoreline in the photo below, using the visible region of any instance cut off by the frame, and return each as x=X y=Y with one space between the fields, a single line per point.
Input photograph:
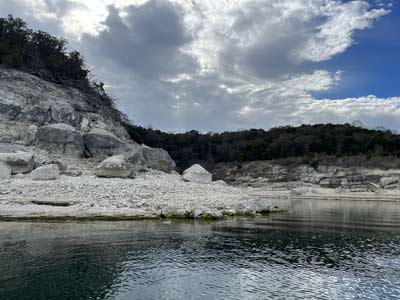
x=64 y=155
x=150 y=195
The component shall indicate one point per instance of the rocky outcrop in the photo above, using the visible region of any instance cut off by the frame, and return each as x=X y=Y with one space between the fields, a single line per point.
x=114 y=167
x=20 y=162
x=159 y=159
x=61 y=139
x=30 y=103
x=5 y=170
x=47 y=172
x=275 y=177
x=386 y=182
x=197 y=174
x=53 y=121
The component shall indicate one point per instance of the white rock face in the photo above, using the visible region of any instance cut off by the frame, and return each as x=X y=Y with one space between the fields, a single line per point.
x=48 y=172
x=20 y=162
x=114 y=167
x=28 y=103
x=197 y=174
x=5 y=170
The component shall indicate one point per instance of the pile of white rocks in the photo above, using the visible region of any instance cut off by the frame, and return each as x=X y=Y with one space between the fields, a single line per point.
x=125 y=165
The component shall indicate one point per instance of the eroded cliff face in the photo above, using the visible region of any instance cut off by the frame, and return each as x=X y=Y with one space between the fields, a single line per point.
x=26 y=100
x=50 y=120
x=266 y=174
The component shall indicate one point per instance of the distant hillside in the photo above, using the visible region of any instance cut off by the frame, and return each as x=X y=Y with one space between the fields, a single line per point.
x=307 y=141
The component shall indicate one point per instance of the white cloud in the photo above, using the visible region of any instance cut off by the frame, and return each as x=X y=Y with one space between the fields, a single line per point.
x=224 y=64
x=335 y=35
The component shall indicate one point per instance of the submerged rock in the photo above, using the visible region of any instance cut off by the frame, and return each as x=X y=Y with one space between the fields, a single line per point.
x=197 y=174
x=158 y=159
x=5 y=170
x=20 y=162
x=115 y=166
x=47 y=172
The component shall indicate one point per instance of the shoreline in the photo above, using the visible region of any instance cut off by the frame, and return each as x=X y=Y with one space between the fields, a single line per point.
x=152 y=196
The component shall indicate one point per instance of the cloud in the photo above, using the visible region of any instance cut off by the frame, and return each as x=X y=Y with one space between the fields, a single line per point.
x=335 y=35
x=218 y=65
x=145 y=39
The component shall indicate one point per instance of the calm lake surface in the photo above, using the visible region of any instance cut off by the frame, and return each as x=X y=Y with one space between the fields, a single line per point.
x=320 y=250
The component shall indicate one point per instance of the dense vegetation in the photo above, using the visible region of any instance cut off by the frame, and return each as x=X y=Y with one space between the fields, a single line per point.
x=307 y=141
x=45 y=56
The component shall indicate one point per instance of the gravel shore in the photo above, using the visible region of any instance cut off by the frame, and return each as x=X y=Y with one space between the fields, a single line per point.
x=151 y=195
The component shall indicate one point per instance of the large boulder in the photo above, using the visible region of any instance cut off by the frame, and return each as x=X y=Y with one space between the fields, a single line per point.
x=47 y=172
x=102 y=143
x=5 y=170
x=158 y=159
x=20 y=162
x=197 y=174
x=114 y=167
x=60 y=139
x=134 y=155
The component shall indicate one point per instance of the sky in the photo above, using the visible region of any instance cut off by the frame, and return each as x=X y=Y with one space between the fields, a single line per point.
x=217 y=65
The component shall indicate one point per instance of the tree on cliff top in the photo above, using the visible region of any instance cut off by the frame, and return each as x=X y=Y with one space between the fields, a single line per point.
x=46 y=56
x=39 y=53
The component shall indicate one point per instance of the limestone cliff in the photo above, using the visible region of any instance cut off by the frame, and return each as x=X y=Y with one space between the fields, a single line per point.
x=54 y=121
x=269 y=174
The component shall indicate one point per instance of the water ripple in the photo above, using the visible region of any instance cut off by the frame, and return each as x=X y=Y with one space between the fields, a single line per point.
x=288 y=256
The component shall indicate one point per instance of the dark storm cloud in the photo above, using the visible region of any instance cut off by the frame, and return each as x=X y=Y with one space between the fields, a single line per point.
x=147 y=40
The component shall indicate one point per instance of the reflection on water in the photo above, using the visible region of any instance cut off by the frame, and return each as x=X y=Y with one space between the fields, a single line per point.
x=320 y=250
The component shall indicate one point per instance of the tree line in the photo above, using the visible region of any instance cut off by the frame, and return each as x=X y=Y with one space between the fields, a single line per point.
x=310 y=141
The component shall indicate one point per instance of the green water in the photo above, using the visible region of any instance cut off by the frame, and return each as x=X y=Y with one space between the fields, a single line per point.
x=321 y=250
